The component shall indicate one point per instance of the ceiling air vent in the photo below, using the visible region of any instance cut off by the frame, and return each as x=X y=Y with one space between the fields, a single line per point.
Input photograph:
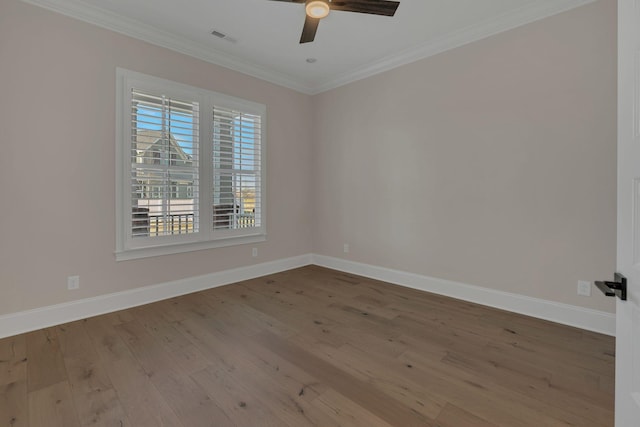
x=223 y=36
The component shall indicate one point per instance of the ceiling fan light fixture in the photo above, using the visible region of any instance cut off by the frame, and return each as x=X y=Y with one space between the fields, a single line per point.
x=317 y=9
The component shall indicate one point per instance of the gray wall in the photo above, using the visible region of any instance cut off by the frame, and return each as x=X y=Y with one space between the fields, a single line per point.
x=493 y=164
x=57 y=163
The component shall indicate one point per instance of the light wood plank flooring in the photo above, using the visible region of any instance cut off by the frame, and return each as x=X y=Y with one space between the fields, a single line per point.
x=308 y=347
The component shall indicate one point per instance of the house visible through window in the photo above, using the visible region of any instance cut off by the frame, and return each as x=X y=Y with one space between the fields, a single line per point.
x=164 y=152
x=192 y=170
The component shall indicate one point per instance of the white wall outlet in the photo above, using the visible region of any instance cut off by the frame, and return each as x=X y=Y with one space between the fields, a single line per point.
x=73 y=282
x=254 y=252
x=584 y=288
x=346 y=248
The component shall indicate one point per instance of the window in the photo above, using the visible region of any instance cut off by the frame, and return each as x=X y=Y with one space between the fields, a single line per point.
x=236 y=169
x=190 y=168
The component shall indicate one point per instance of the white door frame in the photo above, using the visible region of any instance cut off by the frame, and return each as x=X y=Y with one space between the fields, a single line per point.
x=628 y=256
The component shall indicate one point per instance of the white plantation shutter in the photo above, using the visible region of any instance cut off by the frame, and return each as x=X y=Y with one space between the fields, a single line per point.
x=237 y=177
x=164 y=165
x=190 y=168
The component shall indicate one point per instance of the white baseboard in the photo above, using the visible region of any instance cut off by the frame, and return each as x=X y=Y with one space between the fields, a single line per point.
x=31 y=320
x=584 y=318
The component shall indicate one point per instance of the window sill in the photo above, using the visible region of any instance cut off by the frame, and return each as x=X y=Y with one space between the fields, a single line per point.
x=152 y=251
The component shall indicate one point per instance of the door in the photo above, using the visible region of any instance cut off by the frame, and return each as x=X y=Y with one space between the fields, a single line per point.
x=628 y=258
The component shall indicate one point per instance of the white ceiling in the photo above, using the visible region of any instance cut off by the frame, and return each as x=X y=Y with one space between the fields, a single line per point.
x=348 y=46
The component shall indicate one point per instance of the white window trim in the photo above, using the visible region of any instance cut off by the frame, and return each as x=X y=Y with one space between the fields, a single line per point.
x=206 y=237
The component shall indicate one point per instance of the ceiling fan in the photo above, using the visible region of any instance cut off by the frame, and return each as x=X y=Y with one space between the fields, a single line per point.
x=318 y=9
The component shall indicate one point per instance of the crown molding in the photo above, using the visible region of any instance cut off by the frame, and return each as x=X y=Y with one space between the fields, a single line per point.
x=136 y=29
x=499 y=24
x=150 y=34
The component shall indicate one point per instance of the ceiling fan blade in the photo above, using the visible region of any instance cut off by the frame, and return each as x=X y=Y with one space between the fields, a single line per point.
x=309 y=29
x=291 y=1
x=373 y=7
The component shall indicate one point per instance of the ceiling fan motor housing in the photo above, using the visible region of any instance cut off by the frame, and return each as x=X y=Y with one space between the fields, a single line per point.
x=317 y=8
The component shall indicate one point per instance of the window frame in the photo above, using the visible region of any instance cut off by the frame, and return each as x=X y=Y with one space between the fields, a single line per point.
x=128 y=247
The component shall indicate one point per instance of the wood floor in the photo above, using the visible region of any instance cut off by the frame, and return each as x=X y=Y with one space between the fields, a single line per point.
x=308 y=347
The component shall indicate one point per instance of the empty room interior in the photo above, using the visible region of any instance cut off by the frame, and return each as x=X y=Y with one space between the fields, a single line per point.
x=234 y=213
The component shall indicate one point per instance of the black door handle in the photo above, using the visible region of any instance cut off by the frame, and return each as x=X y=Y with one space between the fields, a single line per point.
x=617 y=287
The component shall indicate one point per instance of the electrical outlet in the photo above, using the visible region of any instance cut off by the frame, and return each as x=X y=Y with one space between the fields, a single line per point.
x=73 y=282
x=584 y=288
x=346 y=248
x=254 y=252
